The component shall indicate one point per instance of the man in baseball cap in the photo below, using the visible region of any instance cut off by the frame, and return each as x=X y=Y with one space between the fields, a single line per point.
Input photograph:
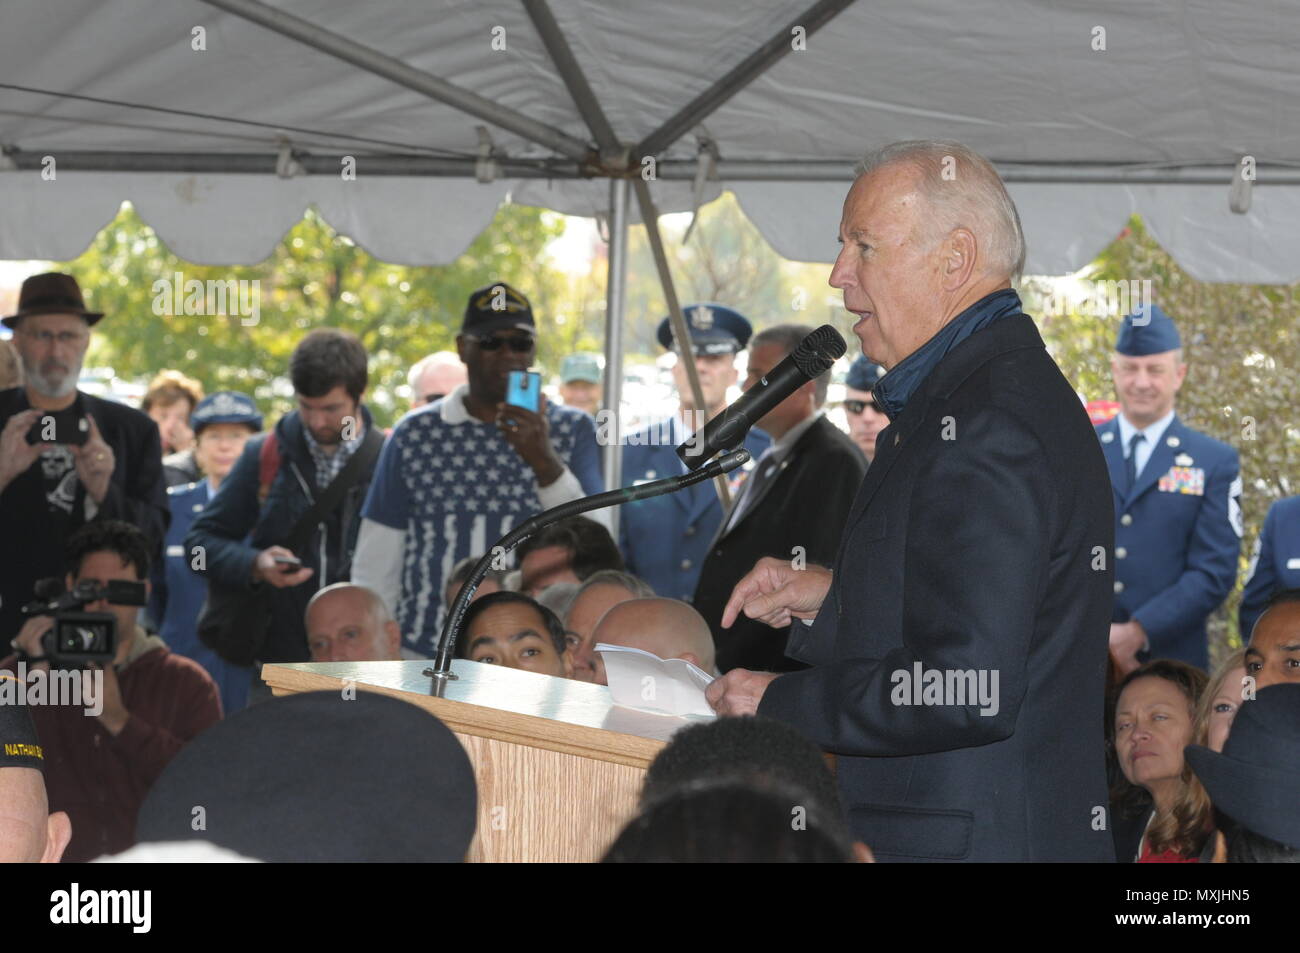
x=580 y=382
x=28 y=831
x=497 y=307
x=471 y=465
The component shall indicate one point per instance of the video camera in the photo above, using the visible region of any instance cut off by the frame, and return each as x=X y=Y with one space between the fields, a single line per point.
x=81 y=637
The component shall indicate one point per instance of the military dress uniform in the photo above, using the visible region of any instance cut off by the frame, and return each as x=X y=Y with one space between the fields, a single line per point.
x=1178 y=526
x=178 y=591
x=664 y=539
x=1275 y=563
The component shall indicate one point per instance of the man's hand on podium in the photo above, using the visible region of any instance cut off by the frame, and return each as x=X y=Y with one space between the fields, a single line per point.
x=775 y=592
x=739 y=691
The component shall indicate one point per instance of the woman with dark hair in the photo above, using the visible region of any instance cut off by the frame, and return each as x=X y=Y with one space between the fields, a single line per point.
x=1160 y=811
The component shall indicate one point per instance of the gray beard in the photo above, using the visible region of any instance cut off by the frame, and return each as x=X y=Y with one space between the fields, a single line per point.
x=45 y=388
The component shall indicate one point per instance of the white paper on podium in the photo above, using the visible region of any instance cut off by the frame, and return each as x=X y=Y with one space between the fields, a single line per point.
x=642 y=680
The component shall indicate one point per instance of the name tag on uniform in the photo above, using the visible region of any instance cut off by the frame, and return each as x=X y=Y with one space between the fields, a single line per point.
x=1293 y=563
x=175 y=550
x=1189 y=480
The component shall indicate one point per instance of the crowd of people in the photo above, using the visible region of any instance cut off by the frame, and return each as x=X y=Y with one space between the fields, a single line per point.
x=970 y=521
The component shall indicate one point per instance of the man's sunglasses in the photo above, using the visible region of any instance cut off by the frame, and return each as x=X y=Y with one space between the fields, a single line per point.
x=520 y=345
x=858 y=406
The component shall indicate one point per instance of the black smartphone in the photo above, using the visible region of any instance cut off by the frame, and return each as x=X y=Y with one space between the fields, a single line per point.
x=66 y=426
x=288 y=564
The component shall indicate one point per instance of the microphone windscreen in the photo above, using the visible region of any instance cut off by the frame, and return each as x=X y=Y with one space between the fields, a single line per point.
x=819 y=350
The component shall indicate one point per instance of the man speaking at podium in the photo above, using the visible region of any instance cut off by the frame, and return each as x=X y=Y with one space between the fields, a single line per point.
x=959 y=644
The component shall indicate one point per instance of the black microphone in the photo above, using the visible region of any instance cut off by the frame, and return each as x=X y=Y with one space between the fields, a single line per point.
x=812 y=358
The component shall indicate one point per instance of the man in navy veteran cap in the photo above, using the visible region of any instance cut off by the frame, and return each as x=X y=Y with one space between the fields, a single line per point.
x=28 y=831
x=1177 y=503
x=665 y=539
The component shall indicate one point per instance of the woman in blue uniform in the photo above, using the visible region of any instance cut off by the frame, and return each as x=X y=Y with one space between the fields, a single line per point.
x=222 y=423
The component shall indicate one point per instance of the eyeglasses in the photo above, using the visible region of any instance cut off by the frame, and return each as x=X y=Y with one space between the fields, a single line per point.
x=520 y=345
x=858 y=406
x=63 y=337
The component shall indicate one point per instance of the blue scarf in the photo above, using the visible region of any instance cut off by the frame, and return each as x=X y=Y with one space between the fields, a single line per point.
x=897 y=387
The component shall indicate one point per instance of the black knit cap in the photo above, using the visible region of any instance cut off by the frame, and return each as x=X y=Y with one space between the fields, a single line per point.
x=19 y=746
x=320 y=777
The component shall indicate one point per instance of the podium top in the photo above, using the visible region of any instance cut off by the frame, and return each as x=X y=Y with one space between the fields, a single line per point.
x=491 y=701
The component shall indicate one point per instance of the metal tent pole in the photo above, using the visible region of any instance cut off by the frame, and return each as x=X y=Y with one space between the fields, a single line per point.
x=615 y=300
x=676 y=320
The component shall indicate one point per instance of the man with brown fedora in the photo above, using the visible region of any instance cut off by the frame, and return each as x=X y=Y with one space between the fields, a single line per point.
x=66 y=457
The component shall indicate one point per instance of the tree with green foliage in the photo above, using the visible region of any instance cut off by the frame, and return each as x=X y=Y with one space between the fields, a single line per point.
x=314 y=278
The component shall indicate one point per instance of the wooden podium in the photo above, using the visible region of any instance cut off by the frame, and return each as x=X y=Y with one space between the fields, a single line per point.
x=559 y=767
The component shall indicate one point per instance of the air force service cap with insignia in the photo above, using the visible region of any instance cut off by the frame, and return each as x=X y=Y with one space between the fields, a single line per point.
x=1147 y=331
x=714 y=329
x=225 y=407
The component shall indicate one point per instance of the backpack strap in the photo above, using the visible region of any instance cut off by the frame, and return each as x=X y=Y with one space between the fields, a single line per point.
x=268 y=465
x=354 y=472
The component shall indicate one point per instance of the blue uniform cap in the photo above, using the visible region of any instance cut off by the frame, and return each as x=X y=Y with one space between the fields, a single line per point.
x=1147 y=331
x=714 y=329
x=225 y=407
x=863 y=374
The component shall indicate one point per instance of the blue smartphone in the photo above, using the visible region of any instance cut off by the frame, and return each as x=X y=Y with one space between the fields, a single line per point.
x=523 y=389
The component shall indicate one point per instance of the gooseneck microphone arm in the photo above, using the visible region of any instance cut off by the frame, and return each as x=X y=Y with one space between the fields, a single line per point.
x=451 y=625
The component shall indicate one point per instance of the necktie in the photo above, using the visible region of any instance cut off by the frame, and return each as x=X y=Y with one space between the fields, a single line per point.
x=764 y=471
x=1130 y=464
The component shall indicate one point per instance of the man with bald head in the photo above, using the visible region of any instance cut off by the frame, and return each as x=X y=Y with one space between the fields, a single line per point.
x=599 y=593
x=434 y=377
x=668 y=628
x=29 y=833
x=350 y=623
x=959 y=644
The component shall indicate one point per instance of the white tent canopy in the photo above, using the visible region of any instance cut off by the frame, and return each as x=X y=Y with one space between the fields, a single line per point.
x=1154 y=123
